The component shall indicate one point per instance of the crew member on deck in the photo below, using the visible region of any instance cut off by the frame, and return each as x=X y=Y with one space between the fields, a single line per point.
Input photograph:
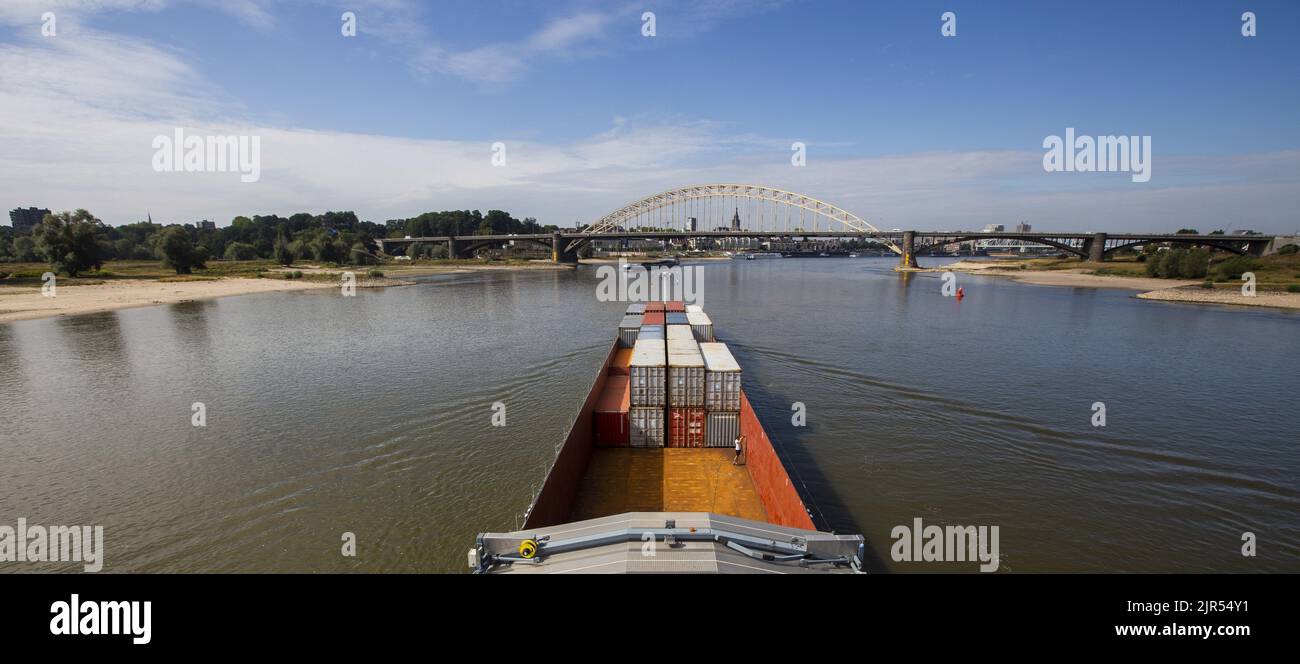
x=739 y=440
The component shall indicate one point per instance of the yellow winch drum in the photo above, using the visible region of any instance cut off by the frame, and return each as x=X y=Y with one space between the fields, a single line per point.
x=528 y=548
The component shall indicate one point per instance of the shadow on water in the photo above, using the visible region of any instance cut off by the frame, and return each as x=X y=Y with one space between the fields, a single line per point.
x=830 y=512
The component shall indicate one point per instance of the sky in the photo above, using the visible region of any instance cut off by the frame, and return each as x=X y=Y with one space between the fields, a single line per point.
x=903 y=126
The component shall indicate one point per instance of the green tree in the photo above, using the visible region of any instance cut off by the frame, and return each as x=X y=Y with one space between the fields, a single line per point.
x=68 y=242
x=360 y=256
x=25 y=249
x=240 y=251
x=283 y=255
x=178 y=250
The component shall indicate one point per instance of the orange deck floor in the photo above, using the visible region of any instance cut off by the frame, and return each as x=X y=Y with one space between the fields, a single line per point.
x=666 y=480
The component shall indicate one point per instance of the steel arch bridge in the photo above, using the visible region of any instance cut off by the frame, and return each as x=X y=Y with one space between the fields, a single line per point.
x=755 y=207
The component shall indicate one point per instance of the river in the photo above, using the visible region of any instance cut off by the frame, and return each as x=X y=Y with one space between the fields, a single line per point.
x=372 y=415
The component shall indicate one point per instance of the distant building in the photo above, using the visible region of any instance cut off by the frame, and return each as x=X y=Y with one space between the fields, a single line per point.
x=1022 y=227
x=994 y=228
x=735 y=220
x=206 y=225
x=25 y=219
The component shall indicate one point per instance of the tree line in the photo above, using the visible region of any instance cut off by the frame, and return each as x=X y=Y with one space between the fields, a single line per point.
x=74 y=242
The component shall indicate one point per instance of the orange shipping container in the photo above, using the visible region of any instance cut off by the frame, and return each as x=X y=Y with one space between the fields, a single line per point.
x=622 y=358
x=610 y=413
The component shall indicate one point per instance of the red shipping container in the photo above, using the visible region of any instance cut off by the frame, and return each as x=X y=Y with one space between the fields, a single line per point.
x=654 y=306
x=686 y=427
x=675 y=305
x=622 y=359
x=610 y=414
x=653 y=318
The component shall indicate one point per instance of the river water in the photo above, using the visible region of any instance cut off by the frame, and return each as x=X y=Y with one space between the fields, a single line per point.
x=372 y=415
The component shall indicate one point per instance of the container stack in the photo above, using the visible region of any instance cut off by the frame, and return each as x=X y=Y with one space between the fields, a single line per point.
x=679 y=333
x=694 y=309
x=676 y=318
x=647 y=375
x=686 y=414
x=627 y=331
x=651 y=332
x=701 y=325
x=611 y=413
x=675 y=306
x=653 y=318
x=654 y=306
x=721 y=395
x=635 y=309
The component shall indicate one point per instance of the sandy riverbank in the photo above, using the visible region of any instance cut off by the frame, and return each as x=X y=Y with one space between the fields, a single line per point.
x=1068 y=277
x=24 y=303
x=1167 y=290
x=1200 y=295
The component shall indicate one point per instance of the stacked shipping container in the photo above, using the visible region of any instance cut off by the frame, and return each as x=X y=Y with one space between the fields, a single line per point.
x=611 y=413
x=628 y=329
x=651 y=332
x=685 y=389
x=701 y=325
x=721 y=395
x=647 y=374
x=673 y=387
x=679 y=333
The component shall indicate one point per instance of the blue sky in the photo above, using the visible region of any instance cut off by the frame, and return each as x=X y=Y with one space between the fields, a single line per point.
x=903 y=126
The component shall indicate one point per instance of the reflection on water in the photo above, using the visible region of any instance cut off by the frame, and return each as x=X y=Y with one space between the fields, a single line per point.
x=372 y=415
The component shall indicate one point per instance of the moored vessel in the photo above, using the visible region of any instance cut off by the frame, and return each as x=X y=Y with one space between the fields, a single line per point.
x=668 y=469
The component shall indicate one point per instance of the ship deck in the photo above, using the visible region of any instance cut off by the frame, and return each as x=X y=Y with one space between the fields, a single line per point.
x=673 y=479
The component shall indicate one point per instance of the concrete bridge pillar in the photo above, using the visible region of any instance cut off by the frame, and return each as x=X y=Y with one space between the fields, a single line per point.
x=558 y=254
x=453 y=247
x=908 y=259
x=1096 y=248
x=1257 y=247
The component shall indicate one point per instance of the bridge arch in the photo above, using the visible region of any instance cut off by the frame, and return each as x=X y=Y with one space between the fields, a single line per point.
x=716 y=204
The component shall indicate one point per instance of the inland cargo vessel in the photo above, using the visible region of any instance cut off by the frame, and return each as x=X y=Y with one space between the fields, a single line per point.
x=649 y=478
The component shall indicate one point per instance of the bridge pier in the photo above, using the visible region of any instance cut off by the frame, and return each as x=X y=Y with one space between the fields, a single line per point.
x=908 y=259
x=558 y=254
x=1095 y=247
x=454 y=247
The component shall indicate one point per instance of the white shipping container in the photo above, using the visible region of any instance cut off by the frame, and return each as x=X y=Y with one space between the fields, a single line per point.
x=647 y=373
x=628 y=330
x=693 y=308
x=701 y=325
x=721 y=377
x=685 y=374
x=721 y=428
x=680 y=333
x=646 y=427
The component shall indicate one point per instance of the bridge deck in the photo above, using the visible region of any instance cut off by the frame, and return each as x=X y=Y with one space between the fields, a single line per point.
x=674 y=479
